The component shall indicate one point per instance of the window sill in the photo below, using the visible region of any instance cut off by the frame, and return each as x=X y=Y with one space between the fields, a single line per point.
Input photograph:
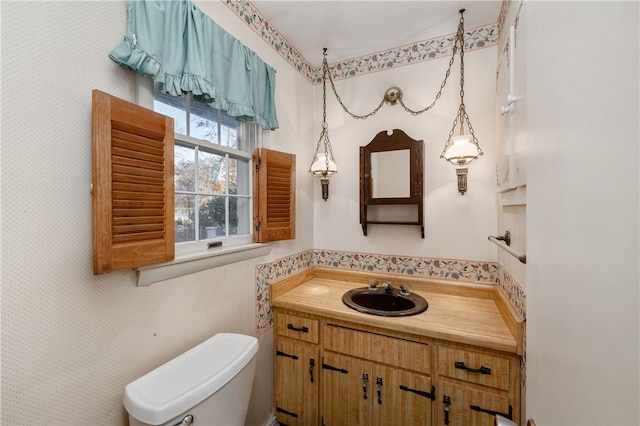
x=196 y=262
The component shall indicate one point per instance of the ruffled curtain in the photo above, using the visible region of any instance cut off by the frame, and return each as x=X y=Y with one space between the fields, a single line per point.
x=183 y=49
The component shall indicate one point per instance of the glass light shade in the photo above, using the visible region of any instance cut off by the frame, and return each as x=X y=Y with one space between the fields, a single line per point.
x=321 y=167
x=461 y=151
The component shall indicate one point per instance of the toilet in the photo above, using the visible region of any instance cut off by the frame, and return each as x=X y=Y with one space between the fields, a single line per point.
x=209 y=384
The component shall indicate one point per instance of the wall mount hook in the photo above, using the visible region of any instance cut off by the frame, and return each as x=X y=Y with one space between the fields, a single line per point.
x=393 y=95
x=506 y=238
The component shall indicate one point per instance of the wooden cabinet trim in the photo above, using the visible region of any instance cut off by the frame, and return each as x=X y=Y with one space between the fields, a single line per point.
x=400 y=352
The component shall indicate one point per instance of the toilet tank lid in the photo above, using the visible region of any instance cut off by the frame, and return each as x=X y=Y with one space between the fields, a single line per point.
x=188 y=379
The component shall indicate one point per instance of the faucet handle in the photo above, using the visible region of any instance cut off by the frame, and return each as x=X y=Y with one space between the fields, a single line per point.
x=373 y=284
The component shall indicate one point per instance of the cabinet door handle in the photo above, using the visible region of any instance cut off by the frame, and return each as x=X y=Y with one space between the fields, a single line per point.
x=302 y=329
x=447 y=402
x=332 y=368
x=481 y=370
x=493 y=413
x=379 y=389
x=286 y=355
x=312 y=363
x=365 y=381
x=431 y=395
x=288 y=413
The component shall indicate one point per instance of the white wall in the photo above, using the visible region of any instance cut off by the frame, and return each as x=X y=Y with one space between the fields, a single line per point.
x=582 y=213
x=512 y=210
x=71 y=341
x=456 y=226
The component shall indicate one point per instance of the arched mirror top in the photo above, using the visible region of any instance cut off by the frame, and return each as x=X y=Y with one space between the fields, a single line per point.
x=392 y=168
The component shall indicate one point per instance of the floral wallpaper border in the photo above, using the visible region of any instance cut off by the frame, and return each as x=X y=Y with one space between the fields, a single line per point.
x=447 y=269
x=272 y=272
x=420 y=51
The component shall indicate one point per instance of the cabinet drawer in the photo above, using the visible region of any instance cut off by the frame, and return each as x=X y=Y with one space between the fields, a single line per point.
x=305 y=329
x=474 y=366
x=472 y=405
x=375 y=347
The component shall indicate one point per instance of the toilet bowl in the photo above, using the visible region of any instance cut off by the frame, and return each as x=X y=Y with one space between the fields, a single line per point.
x=209 y=384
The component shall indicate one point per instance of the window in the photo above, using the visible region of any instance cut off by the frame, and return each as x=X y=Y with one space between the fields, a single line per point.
x=212 y=173
x=215 y=200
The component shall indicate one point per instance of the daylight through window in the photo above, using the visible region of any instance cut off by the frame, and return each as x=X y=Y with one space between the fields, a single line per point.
x=212 y=170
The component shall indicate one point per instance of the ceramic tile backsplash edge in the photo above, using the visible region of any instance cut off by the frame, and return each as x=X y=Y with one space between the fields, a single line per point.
x=448 y=269
x=420 y=51
x=518 y=298
x=515 y=293
x=271 y=272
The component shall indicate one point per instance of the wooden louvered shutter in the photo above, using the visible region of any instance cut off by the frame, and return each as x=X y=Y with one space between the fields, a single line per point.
x=133 y=199
x=274 y=201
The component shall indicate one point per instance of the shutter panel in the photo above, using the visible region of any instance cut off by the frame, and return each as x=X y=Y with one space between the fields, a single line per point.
x=274 y=201
x=133 y=200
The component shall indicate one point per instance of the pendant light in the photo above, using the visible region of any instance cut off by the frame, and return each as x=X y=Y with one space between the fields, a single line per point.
x=323 y=164
x=462 y=149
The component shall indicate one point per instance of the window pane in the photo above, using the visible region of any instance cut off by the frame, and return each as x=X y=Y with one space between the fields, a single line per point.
x=203 y=122
x=212 y=216
x=228 y=131
x=173 y=106
x=212 y=173
x=233 y=176
x=184 y=169
x=248 y=135
x=239 y=177
x=185 y=210
x=239 y=220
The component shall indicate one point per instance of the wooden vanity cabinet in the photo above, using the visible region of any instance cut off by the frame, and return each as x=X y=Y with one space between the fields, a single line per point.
x=336 y=373
x=296 y=373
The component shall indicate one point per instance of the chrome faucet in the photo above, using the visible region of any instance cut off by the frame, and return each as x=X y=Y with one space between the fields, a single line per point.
x=388 y=288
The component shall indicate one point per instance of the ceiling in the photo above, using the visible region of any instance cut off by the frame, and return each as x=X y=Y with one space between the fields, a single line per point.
x=350 y=29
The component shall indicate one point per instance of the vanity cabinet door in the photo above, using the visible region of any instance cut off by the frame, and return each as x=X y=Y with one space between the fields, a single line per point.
x=296 y=383
x=363 y=393
x=348 y=390
x=405 y=397
x=467 y=405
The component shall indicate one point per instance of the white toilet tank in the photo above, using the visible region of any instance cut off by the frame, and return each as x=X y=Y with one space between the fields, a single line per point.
x=209 y=384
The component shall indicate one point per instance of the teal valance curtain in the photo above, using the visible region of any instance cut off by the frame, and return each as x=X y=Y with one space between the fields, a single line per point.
x=186 y=51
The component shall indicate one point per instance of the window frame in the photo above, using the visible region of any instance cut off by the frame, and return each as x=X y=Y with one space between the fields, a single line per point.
x=202 y=255
x=145 y=98
x=228 y=240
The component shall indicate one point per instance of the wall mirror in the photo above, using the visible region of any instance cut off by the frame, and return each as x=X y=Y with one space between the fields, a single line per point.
x=390 y=177
x=391 y=174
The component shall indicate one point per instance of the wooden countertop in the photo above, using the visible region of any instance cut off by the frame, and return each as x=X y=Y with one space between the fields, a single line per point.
x=475 y=314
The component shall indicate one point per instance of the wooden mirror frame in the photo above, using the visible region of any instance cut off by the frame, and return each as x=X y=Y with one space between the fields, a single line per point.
x=382 y=142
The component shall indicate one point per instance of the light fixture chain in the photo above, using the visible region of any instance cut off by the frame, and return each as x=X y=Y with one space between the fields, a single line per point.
x=462 y=117
x=444 y=83
x=325 y=71
x=462 y=110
